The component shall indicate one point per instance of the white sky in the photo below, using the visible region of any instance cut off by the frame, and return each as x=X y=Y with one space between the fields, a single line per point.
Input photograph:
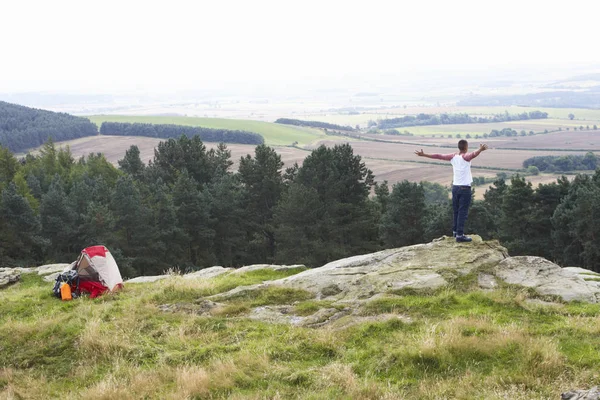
x=92 y=45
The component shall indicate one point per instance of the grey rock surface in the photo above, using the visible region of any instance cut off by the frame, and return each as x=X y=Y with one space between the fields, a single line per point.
x=591 y=394
x=146 y=279
x=547 y=278
x=434 y=265
x=487 y=281
x=255 y=267
x=207 y=273
x=51 y=268
x=211 y=272
x=8 y=276
x=422 y=266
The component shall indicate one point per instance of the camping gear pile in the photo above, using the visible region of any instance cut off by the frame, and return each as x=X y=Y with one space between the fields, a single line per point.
x=95 y=272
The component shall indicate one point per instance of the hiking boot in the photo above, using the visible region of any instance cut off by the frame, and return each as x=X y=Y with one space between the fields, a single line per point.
x=463 y=239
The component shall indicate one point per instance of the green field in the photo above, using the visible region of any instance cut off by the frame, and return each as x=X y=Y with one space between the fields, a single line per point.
x=274 y=134
x=556 y=117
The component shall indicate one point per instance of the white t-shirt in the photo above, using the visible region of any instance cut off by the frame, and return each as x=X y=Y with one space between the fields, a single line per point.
x=462 y=171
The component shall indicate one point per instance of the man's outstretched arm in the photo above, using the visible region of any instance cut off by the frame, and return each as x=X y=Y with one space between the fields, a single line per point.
x=446 y=157
x=472 y=155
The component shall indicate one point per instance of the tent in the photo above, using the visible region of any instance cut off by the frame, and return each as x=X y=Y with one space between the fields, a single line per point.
x=98 y=271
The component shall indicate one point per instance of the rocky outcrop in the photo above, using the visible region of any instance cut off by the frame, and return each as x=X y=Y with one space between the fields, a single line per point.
x=256 y=267
x=434 y=265
x=8 y=276
x=547 y=278
x=49 y=272
x=207 y=273
x=146 y=279
x=424 y=266
x=212 y=272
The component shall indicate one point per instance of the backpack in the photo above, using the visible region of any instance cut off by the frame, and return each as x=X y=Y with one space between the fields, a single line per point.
x=70 y=277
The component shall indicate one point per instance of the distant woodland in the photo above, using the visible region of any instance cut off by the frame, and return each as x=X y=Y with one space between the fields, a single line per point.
x=166 y=131
x=451 y=119
x=313 y=124
x=565 y=163
x=23 y=128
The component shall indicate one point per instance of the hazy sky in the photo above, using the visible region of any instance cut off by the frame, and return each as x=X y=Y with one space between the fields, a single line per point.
x=92 y=45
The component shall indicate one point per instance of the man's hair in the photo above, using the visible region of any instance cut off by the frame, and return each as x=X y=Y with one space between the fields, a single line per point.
x=462 y=145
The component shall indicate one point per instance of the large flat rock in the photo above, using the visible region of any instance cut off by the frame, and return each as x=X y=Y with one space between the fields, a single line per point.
x=423 y=266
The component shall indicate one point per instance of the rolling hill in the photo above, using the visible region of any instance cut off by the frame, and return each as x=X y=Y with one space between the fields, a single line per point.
x=24 y=127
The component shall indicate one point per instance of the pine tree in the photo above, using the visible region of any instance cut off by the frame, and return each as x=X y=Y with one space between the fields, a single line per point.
x=133 y=224
x=8 y=167
x=173 y=156
x=226 y=198
x=263 y=182
x=193 y=213
x=516 y=223
x=34 y=186
x=382 y=196
x=170 y=238
x=58 y=220
x=132 y=163
x=403 y=222
x=568 y=244
x=97 y=226
x=219 y=160
x=19 y=229
x=298 y=217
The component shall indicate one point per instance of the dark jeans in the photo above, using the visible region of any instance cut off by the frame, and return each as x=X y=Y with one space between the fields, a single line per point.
x=461 y=200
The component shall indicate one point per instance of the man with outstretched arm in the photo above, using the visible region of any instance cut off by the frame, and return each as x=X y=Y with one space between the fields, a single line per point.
x=461 y=185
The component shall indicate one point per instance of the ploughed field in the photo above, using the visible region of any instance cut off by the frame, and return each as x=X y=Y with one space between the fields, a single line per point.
x=388 y=161
x=564 y=140
x=494 y=158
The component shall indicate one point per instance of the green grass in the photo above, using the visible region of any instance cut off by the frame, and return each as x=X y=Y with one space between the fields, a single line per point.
x=274 y=134
x=450 y=343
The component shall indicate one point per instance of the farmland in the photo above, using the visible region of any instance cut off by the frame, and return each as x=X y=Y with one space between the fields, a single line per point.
x=113 y=147
x=560 y=141
x=274 y=134
x=502 y=159
x=389 y=161
x=557 y=117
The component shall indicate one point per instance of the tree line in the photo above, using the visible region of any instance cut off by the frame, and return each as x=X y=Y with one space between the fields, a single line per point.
x=23 y=128
x=165 y=131
x=313 y=124
x=587 y=162
x=186 y=209
x=451 y=119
